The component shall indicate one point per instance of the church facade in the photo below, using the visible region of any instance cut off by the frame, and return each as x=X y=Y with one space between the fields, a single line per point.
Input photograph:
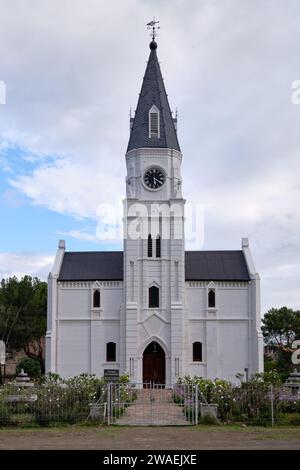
x=154 y=310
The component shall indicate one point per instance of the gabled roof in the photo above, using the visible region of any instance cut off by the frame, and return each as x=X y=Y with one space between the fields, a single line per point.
x=153 y=92
x=199 y=266
x=216 y=266
x=92 y=266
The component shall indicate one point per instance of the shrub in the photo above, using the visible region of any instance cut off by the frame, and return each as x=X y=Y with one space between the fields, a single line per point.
x=249 y=402
x=124 y=378
x=268 y=377
x=30 y=366
x=62 y=401
x=51 y=377
x=5 y=414
x=66 y=401
x=288 y=419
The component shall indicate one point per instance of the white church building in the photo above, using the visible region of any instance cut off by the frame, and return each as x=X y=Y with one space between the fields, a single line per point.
x=154 y=310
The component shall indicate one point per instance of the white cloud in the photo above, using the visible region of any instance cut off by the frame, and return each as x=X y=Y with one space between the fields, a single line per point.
x=70 y=187
x=27 y=263
x=80 y=235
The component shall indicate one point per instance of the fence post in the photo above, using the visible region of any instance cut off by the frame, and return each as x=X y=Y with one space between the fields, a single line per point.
x=108 y=403
x=196 y=404
x=272 y=404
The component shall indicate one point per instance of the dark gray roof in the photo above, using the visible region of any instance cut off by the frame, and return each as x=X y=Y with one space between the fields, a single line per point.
x=199 y=266
x=92 y=266
x=153 y=92
x=215 y=266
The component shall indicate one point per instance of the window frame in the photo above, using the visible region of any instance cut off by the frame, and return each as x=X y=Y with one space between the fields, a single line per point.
x=157 y=290
x=197 y=354
x=113 y=353
x=158 y=247
x=150 y=246
x=95 y=291
x=209 y=292
x=154 y=111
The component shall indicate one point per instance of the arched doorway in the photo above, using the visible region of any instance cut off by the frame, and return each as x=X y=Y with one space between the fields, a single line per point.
x=154 y=364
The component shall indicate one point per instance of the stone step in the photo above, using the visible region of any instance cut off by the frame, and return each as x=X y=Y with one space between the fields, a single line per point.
x=153 y=407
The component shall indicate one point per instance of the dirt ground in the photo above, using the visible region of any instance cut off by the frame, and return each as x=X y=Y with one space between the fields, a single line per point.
x=147 y=438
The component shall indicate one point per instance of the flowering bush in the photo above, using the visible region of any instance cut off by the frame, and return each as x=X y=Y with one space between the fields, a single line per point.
x=249 y=402
x=215 y=391
x=270 y=377
x=66 y=401
x=56 y=400
x=69 y=400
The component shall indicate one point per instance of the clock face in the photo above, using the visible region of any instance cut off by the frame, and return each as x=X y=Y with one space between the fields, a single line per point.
x=154 y=178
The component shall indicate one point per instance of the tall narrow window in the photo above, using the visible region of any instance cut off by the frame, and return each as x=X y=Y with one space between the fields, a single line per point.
x=211 y=298
x=149 y=246
x=110 y=352
x=96 y=299
x=154 y=123
x=158 y=246
x=197 y=351
x=154 y=297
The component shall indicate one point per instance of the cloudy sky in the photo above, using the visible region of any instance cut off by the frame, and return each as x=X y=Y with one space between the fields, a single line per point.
x=73 y=69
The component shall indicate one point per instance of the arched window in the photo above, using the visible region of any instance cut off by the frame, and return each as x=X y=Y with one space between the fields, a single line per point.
x=154 y=122
x=154 y=297
x=197 y=351
x=110 y=352
x=211 y=298
x=149 y=246
x=158 y=246
x=96 y=299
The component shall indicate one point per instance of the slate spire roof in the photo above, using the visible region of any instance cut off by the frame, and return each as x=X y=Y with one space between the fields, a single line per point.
x=153 y=92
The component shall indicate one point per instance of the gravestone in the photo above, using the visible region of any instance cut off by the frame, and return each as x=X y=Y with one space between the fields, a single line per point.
x=22 y=383
x=293 y=383
x=2 y=361
x=2 y=353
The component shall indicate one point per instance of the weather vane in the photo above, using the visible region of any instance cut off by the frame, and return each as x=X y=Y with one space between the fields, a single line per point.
x=152 y=25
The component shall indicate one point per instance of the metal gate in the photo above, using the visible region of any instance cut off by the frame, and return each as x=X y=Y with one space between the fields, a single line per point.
x=152 y=404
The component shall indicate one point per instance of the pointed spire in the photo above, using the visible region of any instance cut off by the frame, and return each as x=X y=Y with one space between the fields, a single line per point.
x=153 y=93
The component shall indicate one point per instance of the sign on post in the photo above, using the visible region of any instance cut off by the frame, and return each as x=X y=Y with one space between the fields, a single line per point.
x=111 y=375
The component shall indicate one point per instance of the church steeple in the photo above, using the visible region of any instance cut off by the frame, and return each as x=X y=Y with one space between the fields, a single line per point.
x=153 y=125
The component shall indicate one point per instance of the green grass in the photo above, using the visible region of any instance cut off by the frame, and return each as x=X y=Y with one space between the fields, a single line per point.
x=114 y=430
x=85 y=427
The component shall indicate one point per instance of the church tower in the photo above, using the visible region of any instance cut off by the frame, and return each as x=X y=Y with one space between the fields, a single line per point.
x=152 y=340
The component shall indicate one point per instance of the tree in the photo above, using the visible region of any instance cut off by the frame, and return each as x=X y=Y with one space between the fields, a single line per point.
x=281 y=327
x=23 y=312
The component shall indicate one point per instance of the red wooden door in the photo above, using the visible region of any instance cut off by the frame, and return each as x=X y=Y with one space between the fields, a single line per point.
x=154 y=364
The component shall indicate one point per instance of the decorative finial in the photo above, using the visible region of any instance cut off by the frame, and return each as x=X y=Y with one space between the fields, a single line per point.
x=152 y=25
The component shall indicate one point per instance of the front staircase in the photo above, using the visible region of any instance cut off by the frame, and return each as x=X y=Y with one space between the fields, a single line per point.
x=154 y=407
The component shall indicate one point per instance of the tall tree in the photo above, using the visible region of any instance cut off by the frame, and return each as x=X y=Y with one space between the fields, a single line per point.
x=280 y=328
x=23 y=312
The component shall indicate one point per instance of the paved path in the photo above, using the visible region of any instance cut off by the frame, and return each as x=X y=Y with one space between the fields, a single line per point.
x=154 y=407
